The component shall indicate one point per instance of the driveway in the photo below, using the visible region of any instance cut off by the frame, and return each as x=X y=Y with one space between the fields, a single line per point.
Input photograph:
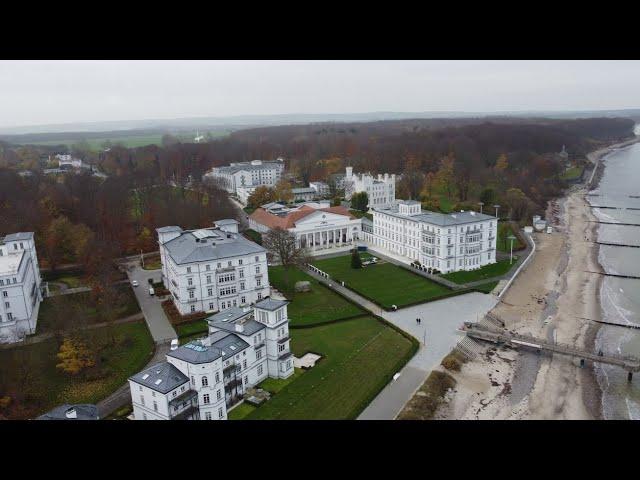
x=157 y=321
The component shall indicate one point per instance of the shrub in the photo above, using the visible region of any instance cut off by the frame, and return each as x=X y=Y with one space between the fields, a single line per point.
x=453 y=361
x=428 y=398
x=356 y=262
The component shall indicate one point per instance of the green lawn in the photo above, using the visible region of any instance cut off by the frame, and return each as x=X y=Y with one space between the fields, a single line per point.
x=486 y=287
x=73 y=281
x=572 y=173
x=386 y=284
x=30 y=377
x=320 y=305
x=152 y=264
x=274 y=385
x=488 y=271
x=502 y=243
x=359 y=358
x=253 y=236
x=241 y=411
x=78 y=309
x=191 y=330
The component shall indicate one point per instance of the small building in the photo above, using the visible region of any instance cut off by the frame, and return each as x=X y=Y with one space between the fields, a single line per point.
x=81 y=411
x=321 y=188
x=305 y=194
x=246 y=174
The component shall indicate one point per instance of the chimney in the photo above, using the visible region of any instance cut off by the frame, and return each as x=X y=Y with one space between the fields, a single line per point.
x=239 y=327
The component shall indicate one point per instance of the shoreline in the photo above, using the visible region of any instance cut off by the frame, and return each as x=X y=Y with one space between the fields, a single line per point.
x=550 y=299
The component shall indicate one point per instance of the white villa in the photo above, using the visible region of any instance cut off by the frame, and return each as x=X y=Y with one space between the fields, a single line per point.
x=205 y=378
x=317 y=226
x=381 y=191
x=20 y=294
x=247 y=175
x=446 y=242
x=212 y=269
x=322 y=189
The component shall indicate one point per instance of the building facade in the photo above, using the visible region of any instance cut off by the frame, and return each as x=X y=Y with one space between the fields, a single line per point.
x=212 y=269
x=322 y=189
x=381 y=191
x=205 y=378
x=444 y=242
x=20 y=286
x=304 y=194
x=246 y=174
x=316 y=226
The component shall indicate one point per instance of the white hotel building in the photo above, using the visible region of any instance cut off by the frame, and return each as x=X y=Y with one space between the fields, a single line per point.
x=381 y=191
x=446 y=242
x=20 y=294
x=241 y=178
x=212 y=269
x=203 y=379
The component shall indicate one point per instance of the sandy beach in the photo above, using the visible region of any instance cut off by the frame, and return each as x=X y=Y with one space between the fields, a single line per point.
x=555 y=298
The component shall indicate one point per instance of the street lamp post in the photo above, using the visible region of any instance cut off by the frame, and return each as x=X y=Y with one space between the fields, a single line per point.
x=496 y=207
x=481 y=204
x=511 y=238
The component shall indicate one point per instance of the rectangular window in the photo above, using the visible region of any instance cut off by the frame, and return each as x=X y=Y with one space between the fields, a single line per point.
x=259 y=354
x=244 y=364
x=220 y=413
x=142 y=399
x=281 y=348
x=240 y=262
x=208 y=278
x=257 y=269
x=218 y=394
x=206 y=400
x=207 y=416
x=217 y=377
x=193 y=308
x=155 y=406
x=188 y=269
x=210 y=306
x=259 y=369
x=258 y=282
x=210 y=292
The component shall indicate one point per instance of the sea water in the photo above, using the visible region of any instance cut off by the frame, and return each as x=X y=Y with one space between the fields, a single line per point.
x=619 y=297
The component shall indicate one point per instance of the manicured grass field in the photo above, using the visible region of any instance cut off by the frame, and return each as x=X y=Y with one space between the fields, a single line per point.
x=359 y=358
x=152 y=264
x=81 y=306
x=30 y=377
x=385 y=283
x=486 y=287
x=320 y=305
x=488 y=271
x=241 y=411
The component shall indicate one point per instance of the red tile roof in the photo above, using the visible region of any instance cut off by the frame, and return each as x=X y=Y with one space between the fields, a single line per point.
x=269 y=220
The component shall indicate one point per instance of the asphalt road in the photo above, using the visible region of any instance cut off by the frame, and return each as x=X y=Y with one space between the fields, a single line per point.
x=157 y=321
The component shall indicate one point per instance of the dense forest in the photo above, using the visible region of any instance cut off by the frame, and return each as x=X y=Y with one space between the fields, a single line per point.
x=448 y=164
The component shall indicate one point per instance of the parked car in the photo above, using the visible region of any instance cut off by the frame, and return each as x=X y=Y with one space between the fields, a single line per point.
x=151 y=291
x=135 y=283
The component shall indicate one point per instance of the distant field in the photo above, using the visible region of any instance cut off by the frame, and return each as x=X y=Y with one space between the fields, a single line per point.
x=129 y=141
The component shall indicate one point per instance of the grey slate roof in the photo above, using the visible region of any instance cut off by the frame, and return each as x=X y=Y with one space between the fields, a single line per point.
x=196 y=352
x=185 y=248
x=169 y=375
x=303 y=190
x=228 y=341
x=247 y=166
x=440 y=219
x=271 y=304
x=172 y=228
x=226 y=221
x=12 y=237
x=229 y=315
x=83 y=411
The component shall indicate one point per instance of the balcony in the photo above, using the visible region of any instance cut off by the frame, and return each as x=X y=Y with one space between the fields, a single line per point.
x=185 y=397
x=284 y=339
x=284 y=355
x=191 y=413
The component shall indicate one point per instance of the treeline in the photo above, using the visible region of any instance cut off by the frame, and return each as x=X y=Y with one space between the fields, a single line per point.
x=81 y=218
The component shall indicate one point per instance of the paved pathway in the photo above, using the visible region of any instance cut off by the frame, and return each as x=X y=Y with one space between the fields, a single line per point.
x=157 y=321
x=440 y=321
x=69 y=291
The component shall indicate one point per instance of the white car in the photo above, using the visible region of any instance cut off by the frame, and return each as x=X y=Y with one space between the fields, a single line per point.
x=135 y=283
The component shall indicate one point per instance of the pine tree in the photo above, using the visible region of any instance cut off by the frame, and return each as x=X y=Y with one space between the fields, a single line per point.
x=356 y=262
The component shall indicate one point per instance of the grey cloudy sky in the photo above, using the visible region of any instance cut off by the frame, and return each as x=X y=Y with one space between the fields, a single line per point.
x=47 y=92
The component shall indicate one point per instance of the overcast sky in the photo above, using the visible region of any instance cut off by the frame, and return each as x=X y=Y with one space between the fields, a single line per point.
x=47 y=92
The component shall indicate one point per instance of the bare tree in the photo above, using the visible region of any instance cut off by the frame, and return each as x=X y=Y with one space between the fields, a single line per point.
x=281 y=244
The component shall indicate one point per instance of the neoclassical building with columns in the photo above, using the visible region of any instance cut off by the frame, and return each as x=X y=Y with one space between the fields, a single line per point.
x=316 y=226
